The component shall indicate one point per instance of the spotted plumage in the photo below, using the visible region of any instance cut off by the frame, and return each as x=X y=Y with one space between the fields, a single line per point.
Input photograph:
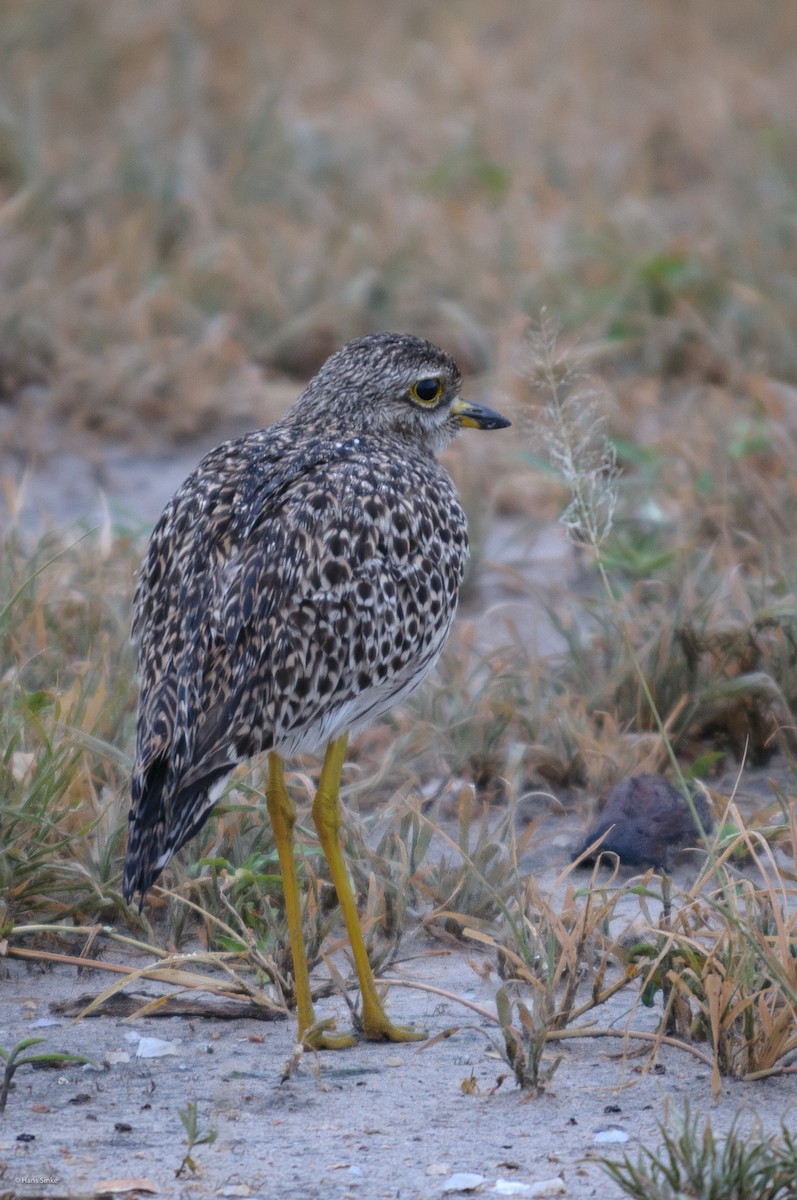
x=301 y=581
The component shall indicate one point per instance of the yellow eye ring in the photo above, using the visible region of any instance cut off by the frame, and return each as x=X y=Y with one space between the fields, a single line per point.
x=426 y=391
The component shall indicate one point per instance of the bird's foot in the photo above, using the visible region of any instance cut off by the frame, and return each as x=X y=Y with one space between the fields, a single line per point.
x=320 y=1037
x=377 y=1027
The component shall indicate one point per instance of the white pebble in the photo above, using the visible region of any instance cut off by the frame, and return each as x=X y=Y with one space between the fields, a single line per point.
x=152 y=1047
x=613 y=1133
x=463 y=1181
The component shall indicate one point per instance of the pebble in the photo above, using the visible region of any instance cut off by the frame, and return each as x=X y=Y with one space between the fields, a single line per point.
x=463 y=1181
x=153 y=1047
x=612 y=1133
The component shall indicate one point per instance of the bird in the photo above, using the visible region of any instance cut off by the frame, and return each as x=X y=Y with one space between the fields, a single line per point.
x=301 y=581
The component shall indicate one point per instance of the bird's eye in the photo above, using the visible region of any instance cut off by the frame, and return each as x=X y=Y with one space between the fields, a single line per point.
x=427 y=391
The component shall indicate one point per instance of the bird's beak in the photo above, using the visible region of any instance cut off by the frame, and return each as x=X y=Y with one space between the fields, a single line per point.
x=476 y=416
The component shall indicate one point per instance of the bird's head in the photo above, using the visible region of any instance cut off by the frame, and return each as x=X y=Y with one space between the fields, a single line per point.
x=394 y=383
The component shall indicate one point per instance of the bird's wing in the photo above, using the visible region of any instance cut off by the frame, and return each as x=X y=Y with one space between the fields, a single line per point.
x=179 y=600
x=247 y=601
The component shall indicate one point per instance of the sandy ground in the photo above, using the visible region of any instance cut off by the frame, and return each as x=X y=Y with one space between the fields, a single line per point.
x=371 y=1122
x=374 y=1121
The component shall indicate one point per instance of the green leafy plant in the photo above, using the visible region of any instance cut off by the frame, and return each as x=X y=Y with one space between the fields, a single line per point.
x=524 y=1040
x=16 y=1058
x=196 y=1137
x=696 y=1163
x=64 y=713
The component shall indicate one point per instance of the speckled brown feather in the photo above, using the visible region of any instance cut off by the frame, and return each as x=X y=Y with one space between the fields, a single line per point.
x=301 y=581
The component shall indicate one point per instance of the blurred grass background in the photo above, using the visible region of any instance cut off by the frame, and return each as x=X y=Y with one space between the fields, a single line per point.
x=194 y=196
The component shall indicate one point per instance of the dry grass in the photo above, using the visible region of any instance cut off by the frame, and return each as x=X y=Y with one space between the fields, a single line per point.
x=186 y=189
x=67 y=693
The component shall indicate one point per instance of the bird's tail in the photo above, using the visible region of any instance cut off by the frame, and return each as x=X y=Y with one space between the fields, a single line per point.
x=159 y=824
x=147 y=855
x=149 y=846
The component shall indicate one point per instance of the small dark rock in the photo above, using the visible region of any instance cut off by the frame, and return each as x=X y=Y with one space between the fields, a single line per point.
x=644 y=819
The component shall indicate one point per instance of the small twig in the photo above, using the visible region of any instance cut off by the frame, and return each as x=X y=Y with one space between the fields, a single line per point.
x=93 y=930
x=768 y=1073
x=162 y=974
x=417 y=985
x=638 y=1035
x=556 y=1035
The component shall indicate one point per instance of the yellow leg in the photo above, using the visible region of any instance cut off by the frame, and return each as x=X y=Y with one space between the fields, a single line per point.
x=326 y=816
x=282 y=813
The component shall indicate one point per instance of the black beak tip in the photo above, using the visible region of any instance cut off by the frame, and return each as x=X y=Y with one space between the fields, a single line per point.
x=499 y=423
x=490 y=419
